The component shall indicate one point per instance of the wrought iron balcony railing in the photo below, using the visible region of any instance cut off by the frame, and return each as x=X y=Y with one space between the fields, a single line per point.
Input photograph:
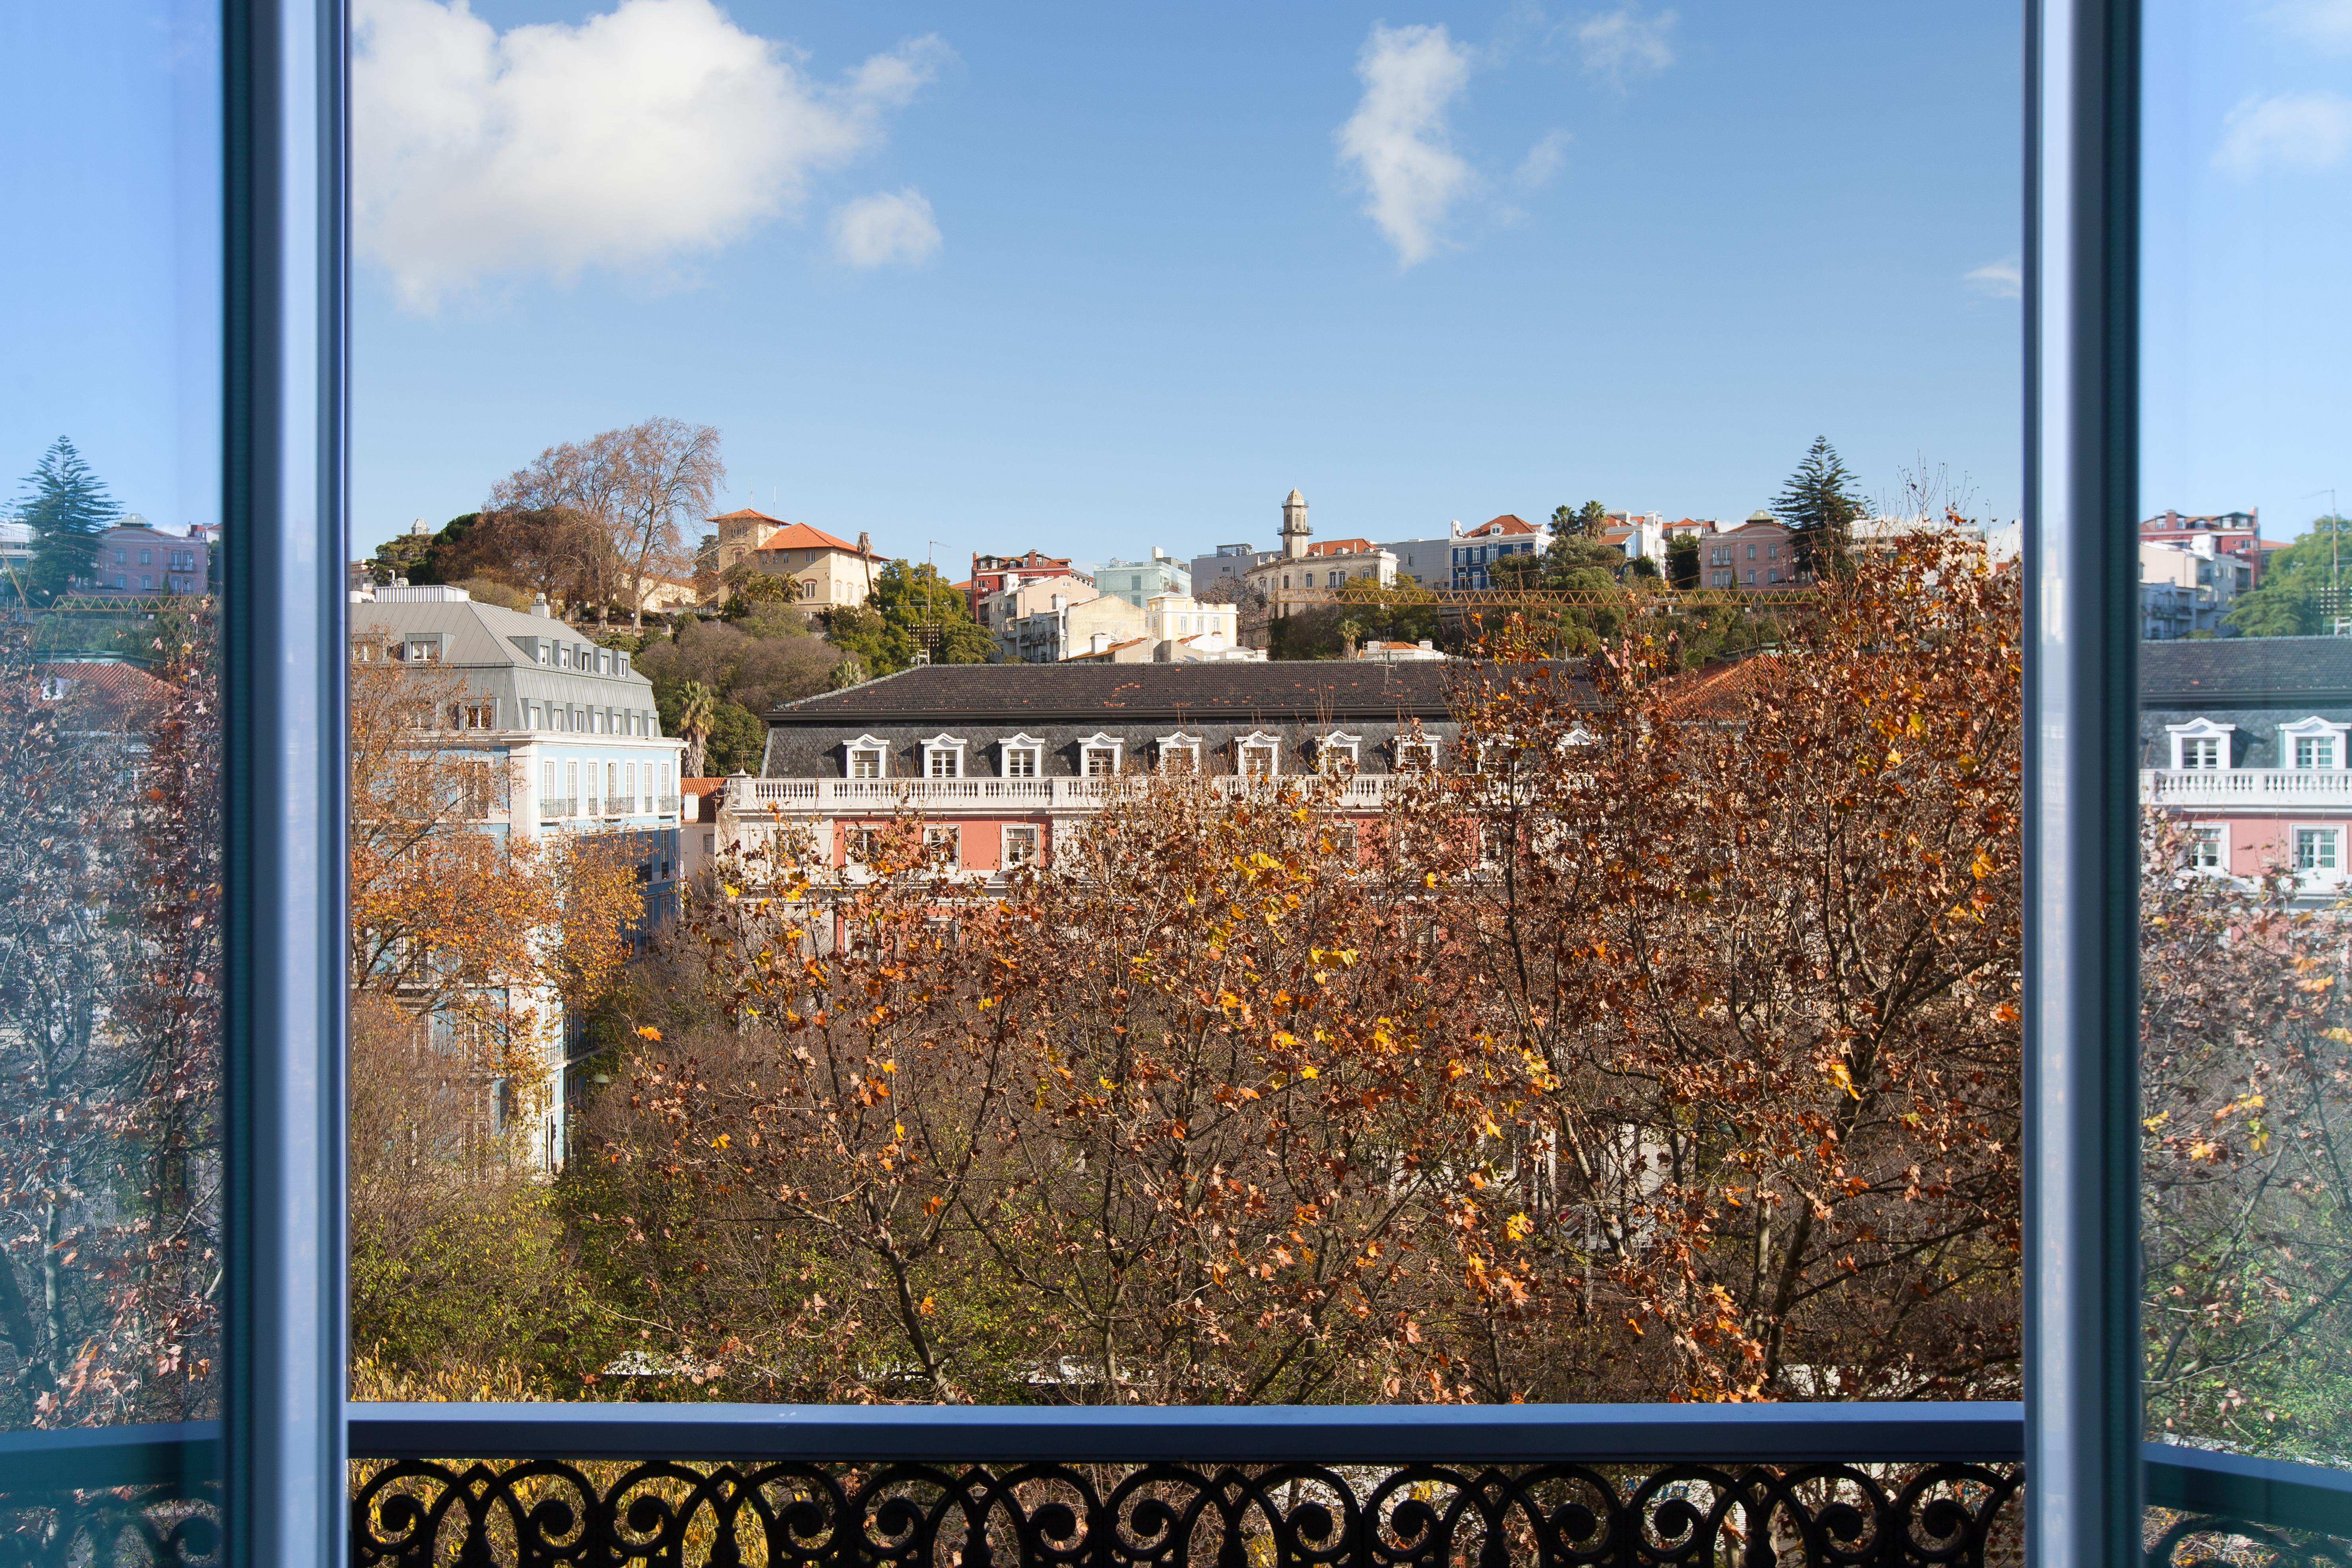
x=1318 y=1486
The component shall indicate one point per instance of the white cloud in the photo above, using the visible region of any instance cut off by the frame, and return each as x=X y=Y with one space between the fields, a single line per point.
x=654 y=131
x=1623 y=42
x=2287 y=131
x=875 y=230
x=2326 y=23
x=1542 y=162
x=1397 y=138
x=2003 y=279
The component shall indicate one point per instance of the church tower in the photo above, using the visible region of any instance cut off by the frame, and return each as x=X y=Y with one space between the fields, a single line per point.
x=1294 y=528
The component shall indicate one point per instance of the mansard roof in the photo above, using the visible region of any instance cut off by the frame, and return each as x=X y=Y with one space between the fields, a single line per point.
x=1301 y=691
x=2203 y=673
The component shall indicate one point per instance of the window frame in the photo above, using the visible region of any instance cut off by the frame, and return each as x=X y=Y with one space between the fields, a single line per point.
x=1022 y=745
x=865 y=746
x=942 y=748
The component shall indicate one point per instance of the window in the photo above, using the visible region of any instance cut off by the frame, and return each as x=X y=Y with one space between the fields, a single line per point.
x=629 y=784
x=146 y=583
x=1257 y=761
x=2206 y=843
x=943 y=757
x=546 y=783
x=1020 y=754
x=2314 y=752
x=146 y=557
x=861 y=845
x=1020 y=847
x=943 y=846
x=1180 y=754
x=1751 y=555
x=612 y=785
x=1337 y=753
x=864 y=762
x=1099 y=755
x=2315 y=849
x=572 y=786
x=1416 y=755
x=423 y=651
x=2201 y=752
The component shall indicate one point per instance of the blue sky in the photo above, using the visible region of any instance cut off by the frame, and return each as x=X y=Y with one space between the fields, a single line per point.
x=1091 y=278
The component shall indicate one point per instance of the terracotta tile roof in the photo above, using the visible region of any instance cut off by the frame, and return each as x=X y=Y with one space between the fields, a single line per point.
x=1341 y=547
x=1719 y=692
x=801 y=536
x=745 y=514
x=103 y=690
x=1509 y=523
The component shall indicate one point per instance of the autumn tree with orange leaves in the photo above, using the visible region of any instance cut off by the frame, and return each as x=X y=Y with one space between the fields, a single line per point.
x=1661 y=1043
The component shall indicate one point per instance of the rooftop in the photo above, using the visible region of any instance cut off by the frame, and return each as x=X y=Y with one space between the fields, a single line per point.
x=2246 y=672
x=1072 y=690
x=801 y=536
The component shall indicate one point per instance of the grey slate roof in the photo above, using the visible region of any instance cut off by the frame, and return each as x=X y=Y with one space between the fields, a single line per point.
x=1061 y=704
x=2245 y=672
x=2254 y=683
x=494 y=650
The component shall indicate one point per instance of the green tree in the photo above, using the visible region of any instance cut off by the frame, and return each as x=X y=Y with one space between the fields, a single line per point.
x=2290 y=601
x=1681 y=562
x=1819 y=508
x=886 y=631
x=66 y=508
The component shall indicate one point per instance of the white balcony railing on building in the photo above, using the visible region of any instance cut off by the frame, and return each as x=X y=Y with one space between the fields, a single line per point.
x=801 y=797
x=2286 y=789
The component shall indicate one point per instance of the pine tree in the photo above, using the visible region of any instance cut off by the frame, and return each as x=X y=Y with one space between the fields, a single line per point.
x=1820 y=508
x=68 y=508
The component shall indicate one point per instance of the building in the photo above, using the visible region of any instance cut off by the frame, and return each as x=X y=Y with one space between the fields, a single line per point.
x=2185 y=589
x=1171 y=617
x=1005 y=760
x=1227 y=564
x=137 y=559
x=1140 y=581
x=15 y=553
x=657 y=593
x=697 y=833
x=1068 y=626
x=570 y=724
x=1428 y=562
x=827 y=571
x=1479 y=549
x=2237 y=535
x=1641 y=536
x=993 y=574
x=996 y=611
x=1755 y=553
x=2247 y=741
x=1422 y=652
x=1322 y=567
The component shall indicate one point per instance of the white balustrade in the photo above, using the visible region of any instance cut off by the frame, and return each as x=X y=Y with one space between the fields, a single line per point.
x=789 y=797
x=2284 y=787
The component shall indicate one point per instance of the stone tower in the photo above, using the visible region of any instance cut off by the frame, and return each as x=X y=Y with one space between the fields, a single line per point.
x=1294 y=528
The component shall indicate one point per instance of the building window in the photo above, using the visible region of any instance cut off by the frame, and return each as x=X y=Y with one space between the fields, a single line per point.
x=861 y=845
x=943 y=757
x=2201 y=752
x=1020 y=847
x=572 y=787
x=1020 y=761
x=1416 y=756
x=1180 y=754
x=612 y=786
x=1257 y=760
x=2205 y=848
x=546 y=784
x=2314 y=848
x=866 y=761
x=1751 y=555
x=423 y=652
x=629 y=784
x=1102 y=761
x=2314 y=752
x=1337 y=753
x=943 y=846
x=146 y=557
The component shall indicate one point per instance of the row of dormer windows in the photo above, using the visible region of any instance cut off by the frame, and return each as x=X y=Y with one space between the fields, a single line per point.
x=2307 y=745
x=945 y=757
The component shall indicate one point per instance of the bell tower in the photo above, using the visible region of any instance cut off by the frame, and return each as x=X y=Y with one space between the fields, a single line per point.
x=1294 y=528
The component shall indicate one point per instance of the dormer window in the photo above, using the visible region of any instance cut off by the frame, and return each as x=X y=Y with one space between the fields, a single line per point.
x=2311 y=746
x=2200 y=744
x=1021 y=756
x=1180 y=754
x=1258 y=755
x=866 y=758
x=422 y=651
x=943 y=757
x=1415 y=753
x=1098 y=756
x=1339 y=751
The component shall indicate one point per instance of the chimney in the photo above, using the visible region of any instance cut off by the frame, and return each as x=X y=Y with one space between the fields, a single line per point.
x=1428 y=645
x=1098 y=642
x=539 y=606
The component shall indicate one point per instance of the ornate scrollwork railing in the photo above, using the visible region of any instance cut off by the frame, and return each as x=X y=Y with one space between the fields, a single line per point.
x=793 y=1514
x=167 y=1525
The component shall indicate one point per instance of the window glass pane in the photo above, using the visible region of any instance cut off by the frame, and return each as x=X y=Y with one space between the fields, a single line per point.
x=989 y=379
x=2247 y=1039
x=111 y=1265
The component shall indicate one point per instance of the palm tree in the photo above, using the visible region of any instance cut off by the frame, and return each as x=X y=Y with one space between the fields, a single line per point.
x=697 y=707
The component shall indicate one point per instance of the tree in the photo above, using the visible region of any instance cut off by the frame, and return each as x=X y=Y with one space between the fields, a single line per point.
x=908 y=596
x=635 y=484
x=484 y=932
x=1820 y=508
x=2290 y=600
x=67 y=507
x=1681 y=562
x=696 y=708
x=550 y=551
x=2246 y=1088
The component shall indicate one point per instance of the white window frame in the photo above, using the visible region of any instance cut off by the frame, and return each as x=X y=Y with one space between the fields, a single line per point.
x=943 y=746
x=2309 y=729
x=547 y=781
x=1027 y=746
x=1241 y=747
x=1004 y=837
x=865 y=744
x=1167 y=746
x=1414 y=748
x=2335 y=832
x=949 y=834
x=2200 y=728
x=2213 y=836
x=1331 y=748
x=1099 y=742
